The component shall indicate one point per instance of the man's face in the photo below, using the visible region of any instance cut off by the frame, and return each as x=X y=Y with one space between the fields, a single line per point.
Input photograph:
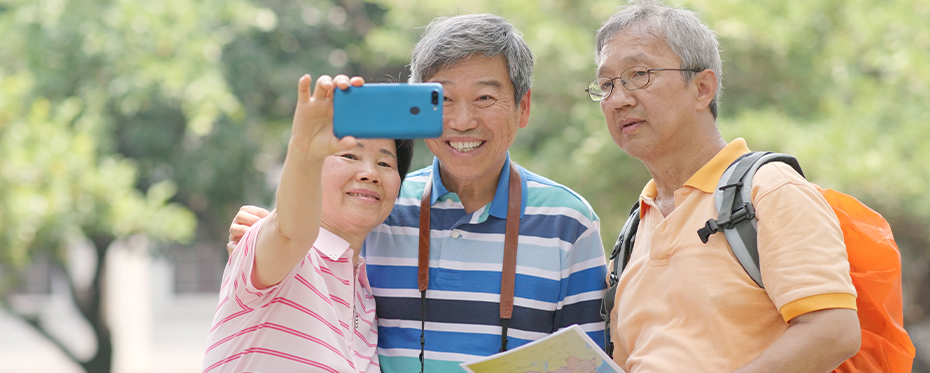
x=653 y=120
x=480 y=119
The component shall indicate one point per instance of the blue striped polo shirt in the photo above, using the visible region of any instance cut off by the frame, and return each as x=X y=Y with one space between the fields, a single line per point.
x=559 y=280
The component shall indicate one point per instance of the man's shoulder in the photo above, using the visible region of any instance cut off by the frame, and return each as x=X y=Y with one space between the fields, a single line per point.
x=543 y=192
x=412 y=188
x=777 y=175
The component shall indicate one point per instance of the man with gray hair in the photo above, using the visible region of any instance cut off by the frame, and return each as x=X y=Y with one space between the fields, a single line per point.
x=479 y=254
x=469 y=196
x=682 y=304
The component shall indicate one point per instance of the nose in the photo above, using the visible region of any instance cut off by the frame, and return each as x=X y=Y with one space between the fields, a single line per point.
x=619 y=98
x=368 y=172
x=459 y=117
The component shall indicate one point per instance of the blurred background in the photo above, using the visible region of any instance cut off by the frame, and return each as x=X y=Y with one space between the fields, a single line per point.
x=131 y=132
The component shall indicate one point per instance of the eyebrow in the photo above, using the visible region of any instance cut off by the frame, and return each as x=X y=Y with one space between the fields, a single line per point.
x=388 y=152
x=489 y=83
x=492 y=83
x=382 y=150
x=639 y=59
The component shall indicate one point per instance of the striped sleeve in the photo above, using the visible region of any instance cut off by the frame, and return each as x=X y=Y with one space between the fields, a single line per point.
x=583 y=263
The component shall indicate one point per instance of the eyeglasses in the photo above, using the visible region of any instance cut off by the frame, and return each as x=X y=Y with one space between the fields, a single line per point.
x=636 y=77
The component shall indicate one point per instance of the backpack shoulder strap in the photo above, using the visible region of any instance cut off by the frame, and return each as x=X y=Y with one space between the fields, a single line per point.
x=619 y=257
x=736 y=214
x=623 y=248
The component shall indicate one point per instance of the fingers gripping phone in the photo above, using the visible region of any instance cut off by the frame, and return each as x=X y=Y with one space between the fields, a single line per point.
x=388 y=111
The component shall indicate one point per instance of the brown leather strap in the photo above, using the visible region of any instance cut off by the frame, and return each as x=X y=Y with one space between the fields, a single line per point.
x=423 y=264
x=511 y=235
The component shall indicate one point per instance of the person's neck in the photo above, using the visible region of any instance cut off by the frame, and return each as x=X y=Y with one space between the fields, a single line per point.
x=355 y=239
x=355 y=243
x=355 y=253
x=474 y=193
x=670 y=171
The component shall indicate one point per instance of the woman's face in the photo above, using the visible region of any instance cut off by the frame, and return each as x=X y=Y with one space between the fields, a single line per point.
x=360 y=186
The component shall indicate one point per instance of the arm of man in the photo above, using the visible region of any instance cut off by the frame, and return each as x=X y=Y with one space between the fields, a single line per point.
x=584 y=288
x=801 y=250
x=293 y=226
x=247 y=216
x=818 y=341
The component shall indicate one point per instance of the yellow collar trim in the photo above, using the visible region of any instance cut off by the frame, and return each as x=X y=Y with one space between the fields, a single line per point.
x=706 y=178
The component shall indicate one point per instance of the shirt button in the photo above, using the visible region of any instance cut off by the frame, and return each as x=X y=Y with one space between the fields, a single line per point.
x=449 y=202
x=456 y=234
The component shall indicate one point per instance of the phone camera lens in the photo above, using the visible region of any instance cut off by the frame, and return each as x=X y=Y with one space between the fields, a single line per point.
x=435 y=98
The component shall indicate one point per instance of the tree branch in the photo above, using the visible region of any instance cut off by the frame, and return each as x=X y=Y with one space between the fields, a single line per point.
x=33 y=321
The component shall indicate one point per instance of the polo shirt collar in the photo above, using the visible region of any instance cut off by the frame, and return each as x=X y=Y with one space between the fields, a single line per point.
x=501 y=194
x=707 y=177
x=331 y=245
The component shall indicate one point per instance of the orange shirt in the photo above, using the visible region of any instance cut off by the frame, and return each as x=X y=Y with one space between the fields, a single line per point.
x=687 y=306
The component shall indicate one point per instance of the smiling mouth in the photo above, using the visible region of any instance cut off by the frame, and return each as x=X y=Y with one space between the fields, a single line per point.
x=363 y=195
x=466 y=147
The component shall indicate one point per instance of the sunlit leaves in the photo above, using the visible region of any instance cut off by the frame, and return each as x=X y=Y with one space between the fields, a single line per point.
x=56 y=185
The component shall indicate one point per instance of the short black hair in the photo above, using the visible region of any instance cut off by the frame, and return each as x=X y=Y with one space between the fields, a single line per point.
x=404 y=157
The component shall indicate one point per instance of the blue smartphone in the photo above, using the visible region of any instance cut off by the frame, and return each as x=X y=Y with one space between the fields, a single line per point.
x=388 y=111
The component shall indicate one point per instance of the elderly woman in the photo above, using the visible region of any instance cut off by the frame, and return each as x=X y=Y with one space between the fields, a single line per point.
x=295 y=295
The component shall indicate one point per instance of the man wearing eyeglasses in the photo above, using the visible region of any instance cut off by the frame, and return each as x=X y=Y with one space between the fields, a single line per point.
x=680 y=304
x=479 y=254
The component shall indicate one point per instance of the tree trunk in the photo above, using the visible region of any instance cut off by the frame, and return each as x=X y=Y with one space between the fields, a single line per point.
x=90 y=301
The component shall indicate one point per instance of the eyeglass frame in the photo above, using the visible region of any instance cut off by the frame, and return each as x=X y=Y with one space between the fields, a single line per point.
x=623 y=82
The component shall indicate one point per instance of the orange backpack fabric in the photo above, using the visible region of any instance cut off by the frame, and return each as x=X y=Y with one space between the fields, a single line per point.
x=875 y=268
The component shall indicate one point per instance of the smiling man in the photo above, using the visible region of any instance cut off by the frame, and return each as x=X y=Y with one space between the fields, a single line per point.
x=486 y=69
x=479 y=254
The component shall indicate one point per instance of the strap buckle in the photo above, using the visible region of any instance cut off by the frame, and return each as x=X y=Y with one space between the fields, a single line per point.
x=740 y=214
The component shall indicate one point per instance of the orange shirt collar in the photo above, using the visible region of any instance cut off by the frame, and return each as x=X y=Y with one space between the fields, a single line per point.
x=706 y=178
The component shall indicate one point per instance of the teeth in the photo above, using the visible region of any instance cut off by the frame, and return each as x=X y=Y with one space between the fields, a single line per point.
x=360 y=195
x=465 y=146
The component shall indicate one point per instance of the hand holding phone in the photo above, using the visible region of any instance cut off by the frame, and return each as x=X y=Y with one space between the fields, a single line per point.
x=388 y=111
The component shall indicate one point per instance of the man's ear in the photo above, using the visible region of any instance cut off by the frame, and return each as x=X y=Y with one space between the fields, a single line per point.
x=705 y=83
x=525 y=109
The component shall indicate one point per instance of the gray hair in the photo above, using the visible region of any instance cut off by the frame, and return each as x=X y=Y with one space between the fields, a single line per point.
x=691 y=40
x=448 y=41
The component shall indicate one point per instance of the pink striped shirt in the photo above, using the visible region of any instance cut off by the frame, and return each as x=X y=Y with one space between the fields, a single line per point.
x=320 y=318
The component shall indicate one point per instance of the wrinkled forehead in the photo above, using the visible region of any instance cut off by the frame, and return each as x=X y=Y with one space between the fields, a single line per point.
x=632 y=46
x=382 y=146
x=476 y=70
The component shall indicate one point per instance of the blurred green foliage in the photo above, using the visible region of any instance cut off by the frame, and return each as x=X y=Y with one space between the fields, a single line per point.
x=163 y=117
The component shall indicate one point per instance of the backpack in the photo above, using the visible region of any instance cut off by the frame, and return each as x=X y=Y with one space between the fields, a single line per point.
x=874 y=260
